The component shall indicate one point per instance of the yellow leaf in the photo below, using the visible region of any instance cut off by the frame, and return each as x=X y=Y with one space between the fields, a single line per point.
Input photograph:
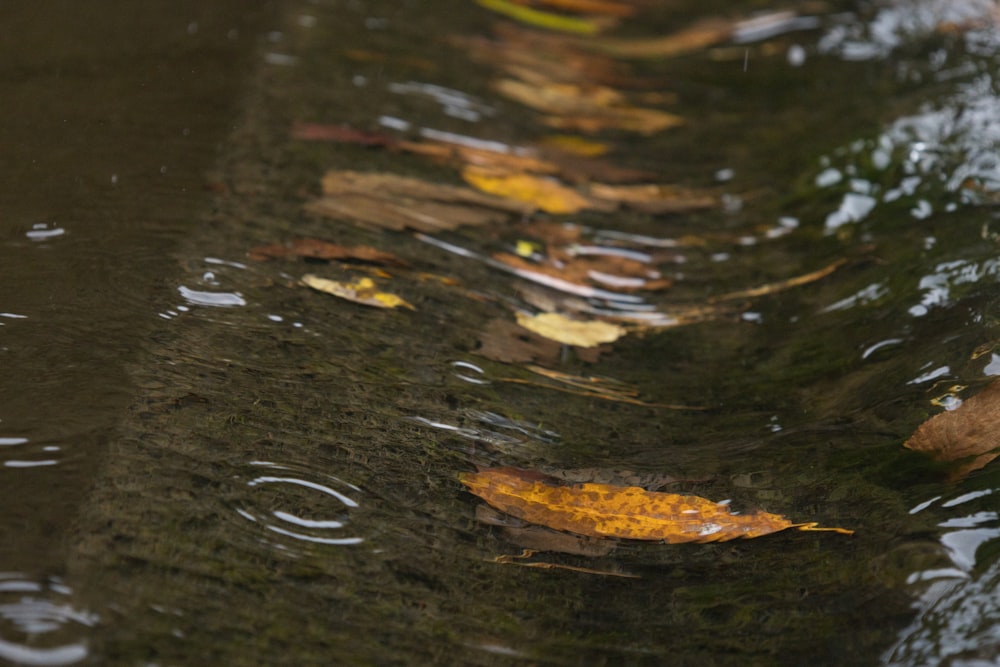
x=628 y=512
x=362 y=291
x=574 y=145
x=571 y=332
x=540 y=19
x=547 y=194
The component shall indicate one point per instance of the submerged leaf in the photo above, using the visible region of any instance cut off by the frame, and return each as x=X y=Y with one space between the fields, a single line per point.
x=362 y=291
x=547 y=194
x=397 y=202
x=968 y=434
x=542 y=19
x=653 y=198
x=571 y=332
x=628 y=512
x=318 y=249
x=586 y=108
x=694 y=38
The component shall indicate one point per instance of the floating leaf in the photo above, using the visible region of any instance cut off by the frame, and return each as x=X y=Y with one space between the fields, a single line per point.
x=521 y=160
x=586 y=108
x=571 y=332
x=591 y=7
x=362 y=291
x=652 y=198
x=546 y=194
x=628 y=512
x=968 y=434
x=542 y=19
x=694 y=38
x=325 y=250
x=574 y=145
x=503 y=340
x=398 y=202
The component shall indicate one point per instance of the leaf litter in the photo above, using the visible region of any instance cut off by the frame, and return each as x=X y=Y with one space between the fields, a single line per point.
x=577 y=83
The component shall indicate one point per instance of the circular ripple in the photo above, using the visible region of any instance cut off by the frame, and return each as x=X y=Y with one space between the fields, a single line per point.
x=295 y=508
x=37 y=624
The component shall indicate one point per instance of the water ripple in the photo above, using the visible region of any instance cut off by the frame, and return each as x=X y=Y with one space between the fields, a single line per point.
x=37 y=625
x=293 y=507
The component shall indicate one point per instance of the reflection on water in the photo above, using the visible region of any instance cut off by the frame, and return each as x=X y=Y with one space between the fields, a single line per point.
x=37 y=624
x=322 y=526
x=958 y=619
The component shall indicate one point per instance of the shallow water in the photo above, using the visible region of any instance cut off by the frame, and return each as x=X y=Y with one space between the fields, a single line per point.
x=205 y=463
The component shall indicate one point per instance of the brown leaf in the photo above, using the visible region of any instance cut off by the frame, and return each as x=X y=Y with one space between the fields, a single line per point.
x=318 y=249
x=340 y=134
x=607 y=271
x=970 y=433
x=694 y=38
x=651 y=198
x=538 y=538
x=398 y=202
x=480 y=157
x=586 y=107
x=506 y=341
x=628 y=512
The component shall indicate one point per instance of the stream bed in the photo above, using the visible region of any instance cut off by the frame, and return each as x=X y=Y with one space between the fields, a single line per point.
x=205 y=462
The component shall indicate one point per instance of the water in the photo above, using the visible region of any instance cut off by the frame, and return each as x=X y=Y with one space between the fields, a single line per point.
x=205 y=463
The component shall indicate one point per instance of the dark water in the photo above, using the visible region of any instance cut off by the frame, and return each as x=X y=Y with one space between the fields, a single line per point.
x=205 y=464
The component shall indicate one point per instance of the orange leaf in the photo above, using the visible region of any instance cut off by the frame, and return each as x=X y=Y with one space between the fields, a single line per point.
x=968 y=432
x=629 y=512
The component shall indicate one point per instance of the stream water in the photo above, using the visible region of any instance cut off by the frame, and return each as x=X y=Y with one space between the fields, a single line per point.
x=202 y=462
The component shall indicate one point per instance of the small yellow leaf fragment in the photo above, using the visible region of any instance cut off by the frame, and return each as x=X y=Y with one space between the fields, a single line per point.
x=547 y=194
x=571 y=332
x=361 y=291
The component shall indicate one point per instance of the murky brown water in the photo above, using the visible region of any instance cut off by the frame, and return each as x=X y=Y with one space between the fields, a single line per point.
x=204 y=463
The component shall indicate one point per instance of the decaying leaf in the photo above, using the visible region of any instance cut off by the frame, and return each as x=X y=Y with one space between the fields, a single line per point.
x=694 y=38
x=539 y=538
x=546 y=194
x=361 y=291
x=398 y=202
x=569 y=331
x=605 y=7
x=506 y=341
x=543 y=19
x=652 y=198
x=608 y=271
x=586 y=108
x=510 y=160
x=970 y=434
x=318 y=249
x=627 y=512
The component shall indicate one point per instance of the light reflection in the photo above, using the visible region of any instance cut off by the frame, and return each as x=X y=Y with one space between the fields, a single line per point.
x=958 y=619
x=42 y=232
x=216 y=299
x=321 y=530
x=37 y=627
x=453 y=102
